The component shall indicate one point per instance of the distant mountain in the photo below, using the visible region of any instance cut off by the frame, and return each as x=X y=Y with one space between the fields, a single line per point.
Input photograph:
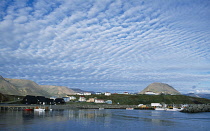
x=27 y=87
x=160 y=88
x=23 y=87
x=58 y=91
x=79 y=90
x=207 y=96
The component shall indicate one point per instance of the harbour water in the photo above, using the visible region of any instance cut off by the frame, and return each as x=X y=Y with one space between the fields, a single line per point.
x=101 y=120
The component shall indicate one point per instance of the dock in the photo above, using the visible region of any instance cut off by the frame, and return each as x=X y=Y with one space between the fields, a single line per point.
x=19 y=107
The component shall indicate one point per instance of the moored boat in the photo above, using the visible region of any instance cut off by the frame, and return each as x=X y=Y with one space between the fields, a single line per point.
x=129 y=108
x=160 y=109
x=39 y=109
x=174 y=109
x=28 y=109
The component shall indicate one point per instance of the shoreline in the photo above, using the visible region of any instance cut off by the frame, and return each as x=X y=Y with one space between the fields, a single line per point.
x=70 y=106
x=192 y=108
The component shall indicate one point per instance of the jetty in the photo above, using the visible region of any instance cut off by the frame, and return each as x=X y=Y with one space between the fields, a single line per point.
x=19 y=107
x=195 y=108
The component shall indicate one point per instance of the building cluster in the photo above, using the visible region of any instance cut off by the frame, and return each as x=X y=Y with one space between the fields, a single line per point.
x=29 y=99
x=82 y=98
x=89 y=93
x=42 y=100
x=93 y=100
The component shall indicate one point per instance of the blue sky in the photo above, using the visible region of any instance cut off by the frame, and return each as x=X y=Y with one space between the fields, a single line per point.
x=107 y=45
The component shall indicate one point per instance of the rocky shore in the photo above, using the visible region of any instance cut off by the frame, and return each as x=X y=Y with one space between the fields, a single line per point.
x=194 y=108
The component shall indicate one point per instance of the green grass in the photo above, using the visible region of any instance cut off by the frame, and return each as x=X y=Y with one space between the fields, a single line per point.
x=148 y=99
x=130 y=99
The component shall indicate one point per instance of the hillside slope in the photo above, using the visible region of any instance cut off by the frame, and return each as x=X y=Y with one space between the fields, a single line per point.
x=25 y=87
x=7 y=88
x=160 y=88
x=58 y=91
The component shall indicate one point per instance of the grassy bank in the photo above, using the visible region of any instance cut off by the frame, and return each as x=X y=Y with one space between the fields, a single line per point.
x=147 y=99
x=126 y=99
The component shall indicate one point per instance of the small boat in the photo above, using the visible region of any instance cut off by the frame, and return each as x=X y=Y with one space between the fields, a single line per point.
x=174 y=109
x=28 y=109
x=129 y=108
x=160 y=109
x=39 y=109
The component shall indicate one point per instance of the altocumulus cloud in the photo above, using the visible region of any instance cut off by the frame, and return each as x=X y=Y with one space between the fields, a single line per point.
x=107 y=45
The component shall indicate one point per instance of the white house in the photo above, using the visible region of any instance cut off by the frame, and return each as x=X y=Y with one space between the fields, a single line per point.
x=66 y=99
x=87 y=93
x=149 y=93
x=91 y=100
x=99 y=101
x=98 y=93
x=156 y=105
x=125 y=93
x=72 y=98
x=107 y=93
x=79 y=93
x=82 y=99
x=109 y=101
x=53 y=97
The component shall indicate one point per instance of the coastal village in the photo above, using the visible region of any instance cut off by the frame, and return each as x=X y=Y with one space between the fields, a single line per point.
x=156 y=96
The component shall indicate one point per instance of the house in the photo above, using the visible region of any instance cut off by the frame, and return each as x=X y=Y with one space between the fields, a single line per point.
x=66 y=99
x=49 y=101
x=41 y=100
x=108 y=101
x=79 y=93
x=98 y=93
x=91 y=100
x=125 y=93
x=59 y=101
x=107 y=93
x=82 y=99
x=99 y=101
x=140 y=105
x=53 y=97
x=156 y=105
x=149 y=93
x=30 y=99
x=87 y=93
x=72 y=98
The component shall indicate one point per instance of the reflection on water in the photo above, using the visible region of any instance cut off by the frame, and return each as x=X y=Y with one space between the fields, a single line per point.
x=102 y=120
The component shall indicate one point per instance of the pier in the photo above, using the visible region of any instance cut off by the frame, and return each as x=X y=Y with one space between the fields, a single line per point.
x=19 y=107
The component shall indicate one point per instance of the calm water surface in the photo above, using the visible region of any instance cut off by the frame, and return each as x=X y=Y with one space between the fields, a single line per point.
x=101 y=120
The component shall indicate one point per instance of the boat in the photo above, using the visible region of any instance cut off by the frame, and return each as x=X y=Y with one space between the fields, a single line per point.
x=174 y=109
x=28 y=109
x=39 y=109
x=129 y=108
x=160 y=109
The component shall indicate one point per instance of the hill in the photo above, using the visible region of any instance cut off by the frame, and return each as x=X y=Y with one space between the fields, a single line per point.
x=80 y=91
x=7 y=88
x=160 y=88
x=27 y=87
x=58 y=91
x=21 y=87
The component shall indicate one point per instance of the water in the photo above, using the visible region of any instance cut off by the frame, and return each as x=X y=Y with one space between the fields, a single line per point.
x=101 y=120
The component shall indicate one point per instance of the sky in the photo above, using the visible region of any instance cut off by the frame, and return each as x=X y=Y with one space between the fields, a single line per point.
x=107 y=45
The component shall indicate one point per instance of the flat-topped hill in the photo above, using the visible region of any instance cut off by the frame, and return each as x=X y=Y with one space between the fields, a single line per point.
x=160 y=88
